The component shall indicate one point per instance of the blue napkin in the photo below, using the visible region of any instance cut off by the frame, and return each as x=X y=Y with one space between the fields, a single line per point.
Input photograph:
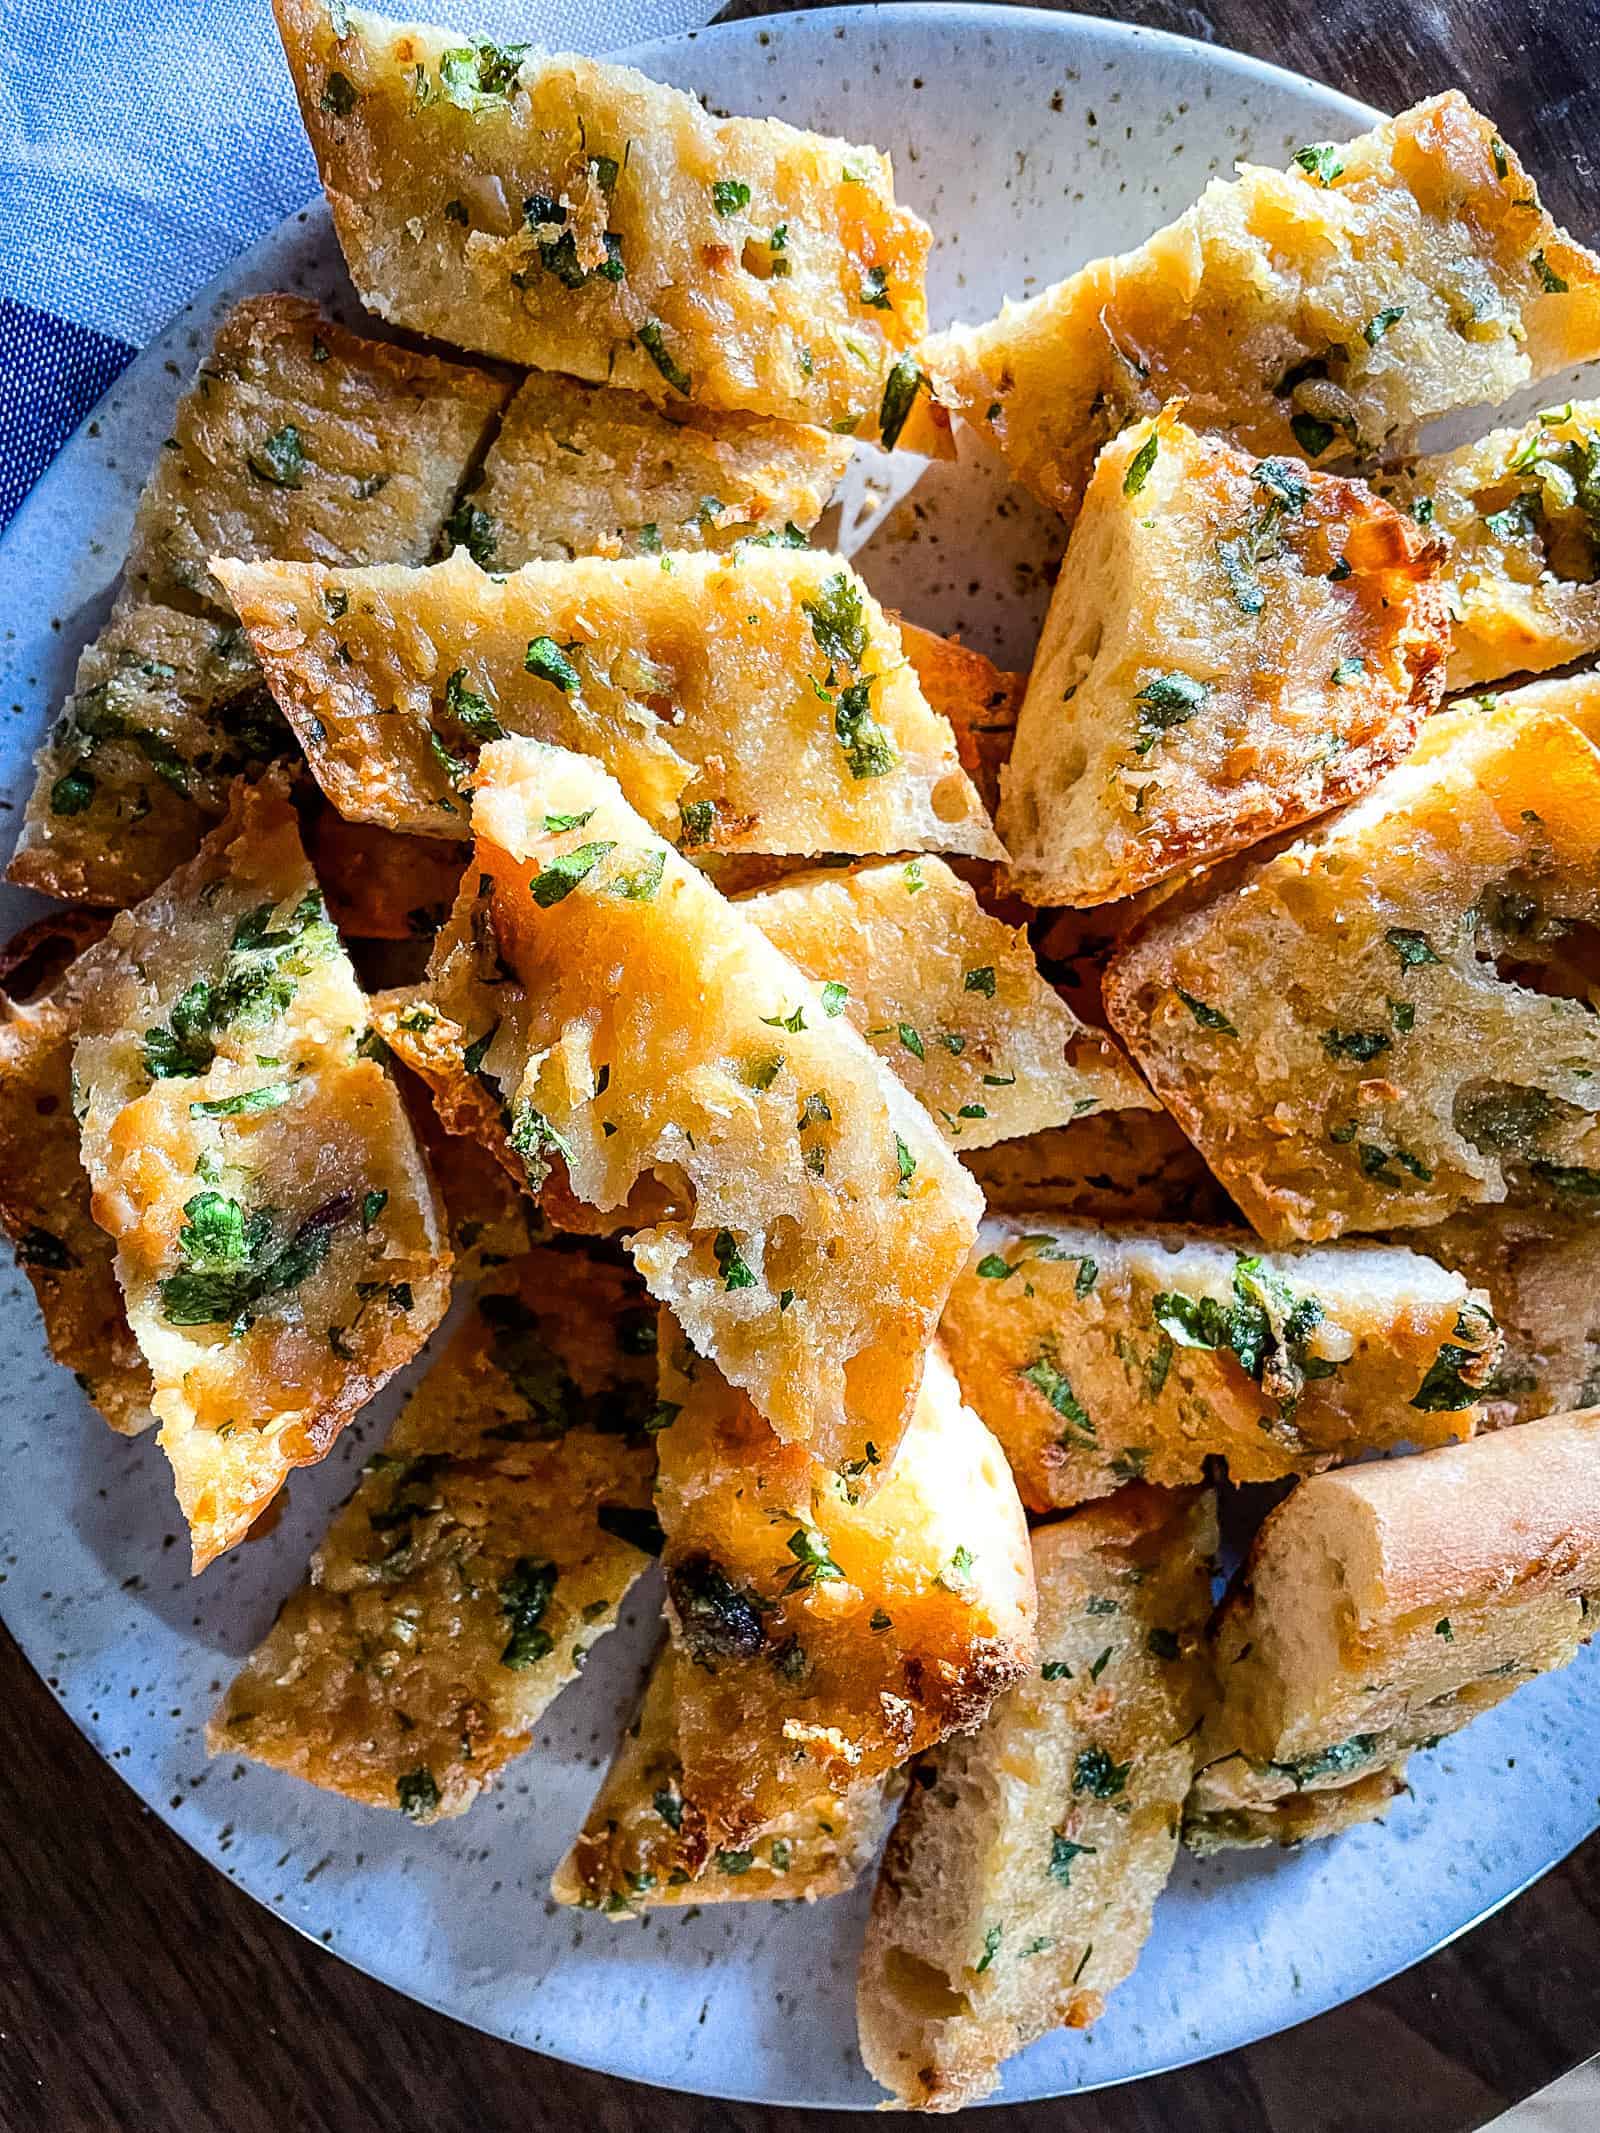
x=145 y=144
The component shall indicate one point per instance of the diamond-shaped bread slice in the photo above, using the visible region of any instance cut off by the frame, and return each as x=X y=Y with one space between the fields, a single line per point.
x=758 y=701
x=278 y=1240
x=1327 y=309
x=1234 y=645
x=1389 y=1019
x=574 y=216
x=487 y=1547
x=820 y=1216
x=1106 y=1354
x=823 y=1636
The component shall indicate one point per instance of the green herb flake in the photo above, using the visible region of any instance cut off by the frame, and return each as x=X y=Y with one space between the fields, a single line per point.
x=730 y=195
x=991 y=1267
x=991 y=1948
x=653 y=341
x=1347 y=670
x=900 y=391
x=279 y=460
x=981 y=980
x=1208 y=1017
x=545 y=658
x=558 y=877
x=1320 y=160
x=1312 y=436
x=417 y=1794
x=524 y=1593
x=1095 y=1773
x=1048 y=1379
x=1549 y=280
x=470 y=710
x=834 y=996
x=730 y=1264
x=1165 y=702
x=1062 y=1853
x=1411 y=947
x=906 y=1163
x=1380 y=322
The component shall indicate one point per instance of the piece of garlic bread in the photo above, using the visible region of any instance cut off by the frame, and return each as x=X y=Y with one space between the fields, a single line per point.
x=278 y=1239
x=757 y=701
x=1019 y=1879
x=825 y=1636
x=1234 y=645
x=643 y=1844
x=1389 y=1604
x=1389 y=1019
x=574 y=216
x=1326 y=310
x=1103 y=1354
x=486 y=1548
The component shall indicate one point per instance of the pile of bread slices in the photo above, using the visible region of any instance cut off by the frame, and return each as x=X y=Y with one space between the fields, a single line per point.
x=915 y=1133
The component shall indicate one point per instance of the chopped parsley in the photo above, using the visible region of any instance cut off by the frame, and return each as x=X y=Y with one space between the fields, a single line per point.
x=838 y=622
x=232 y=1265
x=1062 y=1853
x=1411 y=947
x=1167 y=701
x=558 y=877
x=834 y=996
x=868 y=749
x=980 y=980
x=279 y=460
x=1380 y=322
x=1346 y=671
x=1140 y=464
x=1094 y=1772
x=546 y=658
x=524 y=1593
x=1048 y=1379
x=1320 y=160
x=417 y=1794
x=730 y=1264
x=470 y=710
x=900 y=390
x=815 y=1565
x=653 y=341
x=1208 y=1017
x=729 y=195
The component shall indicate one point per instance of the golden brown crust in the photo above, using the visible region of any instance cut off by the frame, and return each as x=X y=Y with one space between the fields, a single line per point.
x=1115 y=1166
x=733 y=263
x=1328 y=309
x=382 y=885
x=1296 y=1818
x=980 y=700
x=1234 y=645
x=829 y=1638
x=1386 y=1020
x=482 y=1554
x=1017 y=1887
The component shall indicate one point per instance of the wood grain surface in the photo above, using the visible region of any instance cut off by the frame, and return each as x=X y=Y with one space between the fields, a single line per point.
x=141 y=1992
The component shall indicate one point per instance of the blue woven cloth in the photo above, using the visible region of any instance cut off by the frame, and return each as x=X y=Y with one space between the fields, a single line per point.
x=144 y=144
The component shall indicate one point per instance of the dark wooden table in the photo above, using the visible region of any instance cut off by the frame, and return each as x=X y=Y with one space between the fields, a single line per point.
x=141 y=1992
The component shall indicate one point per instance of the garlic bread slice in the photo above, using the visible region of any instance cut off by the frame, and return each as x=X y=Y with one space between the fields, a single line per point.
x=1104 y=1354
x=950 y=997
x=588 y=470
x=1234 y=645
x=1521 y=511
x=758 y=701
x=278 y=1240
x=823 y=1636
x=485 y=1549
x=821 y=1217
x=1389 y=1604
x=1325 y=310
x=1019 y=1879
x=643 y=1844
x=1389 y=1019
x=44 y=1190
x=573 y=216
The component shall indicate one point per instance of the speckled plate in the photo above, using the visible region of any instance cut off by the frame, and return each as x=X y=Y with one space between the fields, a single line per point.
x=1031 y=141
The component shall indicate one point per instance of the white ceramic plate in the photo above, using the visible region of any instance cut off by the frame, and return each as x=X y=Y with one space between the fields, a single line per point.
x=1031 y=141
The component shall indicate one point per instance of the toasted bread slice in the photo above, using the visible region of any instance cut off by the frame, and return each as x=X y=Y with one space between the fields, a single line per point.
x=487 y=1547
x=950 y=997
x=576 y=217
x=1018 y=1884
x=1234 y=645
x=823 y=1637
x=753 y=702
x=1540 y=1266
x=1388 y=1604
x=278 y=1241
x=1115 y=1166
x=661 y=1032
x=165 y=710
x=44 y=1190
x=1384 y=1021
x=643 y=1844
x=587 y=470
x=1326 y=309
x=1104 y=1355
x=303 y=440
x=1296 y=1818
x=980 y=700
x=297 y=439
x=489 y=1219
x=1521 y=510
